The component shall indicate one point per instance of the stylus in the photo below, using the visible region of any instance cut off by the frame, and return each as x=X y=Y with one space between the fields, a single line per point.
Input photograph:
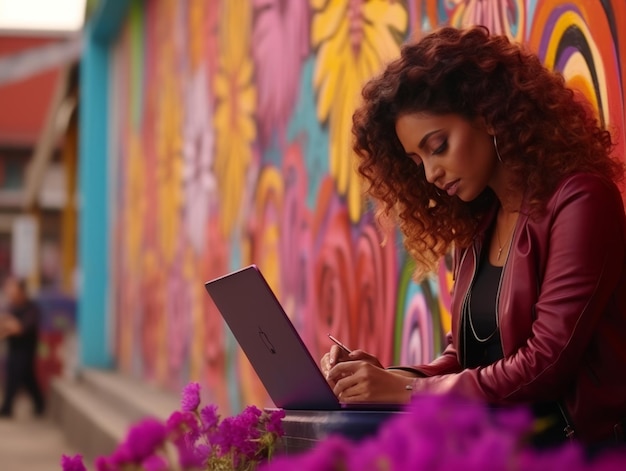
x=342 y=346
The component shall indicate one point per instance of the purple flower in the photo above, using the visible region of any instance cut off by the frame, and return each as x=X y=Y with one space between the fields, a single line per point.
x=204 y=452
x=189 y=456
x=370 y=456
x=612 y=460
x=250 y=416
x=122 y=455
x=72 y=463
x=238 y=434
x=438 y=432
x=516 y=421
x=190 y=399
x=229 y=436
x=154 y=463
x=274 y=422
x=568 y=456
x=144 y=438
x=103 y=463
x=209 y=418
x=329 y=455
x=183 y=425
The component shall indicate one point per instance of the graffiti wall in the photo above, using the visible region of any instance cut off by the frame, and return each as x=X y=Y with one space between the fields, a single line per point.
x=231 y=145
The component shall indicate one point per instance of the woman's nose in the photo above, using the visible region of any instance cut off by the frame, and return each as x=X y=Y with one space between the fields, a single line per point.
x=433 y=172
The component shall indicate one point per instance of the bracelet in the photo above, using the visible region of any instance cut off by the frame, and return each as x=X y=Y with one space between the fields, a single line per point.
x=410 y=387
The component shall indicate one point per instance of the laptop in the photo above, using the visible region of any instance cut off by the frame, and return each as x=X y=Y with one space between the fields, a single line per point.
x=270 y=341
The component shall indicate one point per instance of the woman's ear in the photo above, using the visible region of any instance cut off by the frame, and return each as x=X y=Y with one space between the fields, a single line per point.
x=483 y=124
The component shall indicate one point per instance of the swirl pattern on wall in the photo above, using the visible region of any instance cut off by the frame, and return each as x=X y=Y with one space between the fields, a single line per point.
x=579 y=41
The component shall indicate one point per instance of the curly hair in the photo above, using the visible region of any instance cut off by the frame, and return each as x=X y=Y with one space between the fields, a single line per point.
x=544 y=133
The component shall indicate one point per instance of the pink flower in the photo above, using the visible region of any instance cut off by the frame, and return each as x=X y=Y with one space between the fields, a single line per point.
x=144 y=438
x=613 y=460
x=122 y=455
x=329 y=455
x=250 y=416
x=239 y=434
x=199 y=439
x=103 y=463
x=209 y=418
x=274 y=422
x=190 y=397
x=183 y=426
x=154 y=463
x=183 y=430
x=72 y=463
x=189 y=456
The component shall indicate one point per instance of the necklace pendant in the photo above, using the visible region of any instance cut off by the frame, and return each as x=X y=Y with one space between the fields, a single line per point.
x=499 y=253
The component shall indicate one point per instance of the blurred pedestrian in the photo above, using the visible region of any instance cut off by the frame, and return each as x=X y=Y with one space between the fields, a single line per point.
x=20 y=326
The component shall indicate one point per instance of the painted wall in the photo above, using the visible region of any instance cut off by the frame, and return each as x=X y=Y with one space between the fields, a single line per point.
x=230 y=144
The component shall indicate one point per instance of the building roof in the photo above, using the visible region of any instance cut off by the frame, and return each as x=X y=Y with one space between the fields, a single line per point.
x=29 y=72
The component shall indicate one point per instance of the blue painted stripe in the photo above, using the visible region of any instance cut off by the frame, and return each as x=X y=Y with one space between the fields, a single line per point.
x=92 y=183
x=99 y=35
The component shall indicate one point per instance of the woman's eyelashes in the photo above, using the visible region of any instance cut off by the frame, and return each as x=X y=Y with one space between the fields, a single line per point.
x=441 y=147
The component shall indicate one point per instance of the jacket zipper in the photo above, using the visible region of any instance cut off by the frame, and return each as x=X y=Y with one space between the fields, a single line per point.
x=463 y=332
x=506 y=260
x=569 y=430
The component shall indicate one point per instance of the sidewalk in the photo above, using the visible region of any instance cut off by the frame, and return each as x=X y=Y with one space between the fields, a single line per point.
x=30 y=444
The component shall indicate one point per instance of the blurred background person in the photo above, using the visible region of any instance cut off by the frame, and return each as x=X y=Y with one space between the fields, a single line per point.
x=19 y=325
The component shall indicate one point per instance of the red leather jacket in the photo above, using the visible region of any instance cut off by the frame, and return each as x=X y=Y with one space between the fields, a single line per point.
x=561 y=309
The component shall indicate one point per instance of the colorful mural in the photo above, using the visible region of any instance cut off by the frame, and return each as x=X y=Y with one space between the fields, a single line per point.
x=231 y=145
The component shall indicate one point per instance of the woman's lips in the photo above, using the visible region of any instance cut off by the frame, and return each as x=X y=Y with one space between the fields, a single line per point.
x=451 y=188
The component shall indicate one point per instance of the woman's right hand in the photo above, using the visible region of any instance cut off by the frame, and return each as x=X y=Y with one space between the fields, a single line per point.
x=337 y=355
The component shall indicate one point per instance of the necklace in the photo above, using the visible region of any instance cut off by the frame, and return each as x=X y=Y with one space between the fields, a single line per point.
x=471 y=322
x=468 y=311
x=468 y=308
x=500 y=244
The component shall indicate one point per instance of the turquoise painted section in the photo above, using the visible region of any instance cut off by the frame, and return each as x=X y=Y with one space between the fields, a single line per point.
x=93 y=230
x=93 y=240
x=108 y=20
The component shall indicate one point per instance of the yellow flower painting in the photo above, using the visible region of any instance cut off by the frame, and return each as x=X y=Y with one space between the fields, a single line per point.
x=169 y=165
x=234 y=114
x=354 y=40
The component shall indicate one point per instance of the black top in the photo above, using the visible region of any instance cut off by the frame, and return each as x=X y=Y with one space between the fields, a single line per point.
x=27 y=314
x=481 y=316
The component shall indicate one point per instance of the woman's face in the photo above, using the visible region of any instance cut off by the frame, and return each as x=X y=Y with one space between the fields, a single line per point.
x=458 y=155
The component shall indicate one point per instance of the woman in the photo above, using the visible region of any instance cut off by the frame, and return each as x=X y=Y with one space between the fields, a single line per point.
x=470 y=144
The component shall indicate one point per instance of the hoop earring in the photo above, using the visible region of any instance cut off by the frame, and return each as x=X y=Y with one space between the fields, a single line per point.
x=495 y=144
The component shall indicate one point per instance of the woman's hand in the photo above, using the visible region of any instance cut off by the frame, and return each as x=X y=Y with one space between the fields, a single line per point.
x=338 y=355
x=362 y=381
